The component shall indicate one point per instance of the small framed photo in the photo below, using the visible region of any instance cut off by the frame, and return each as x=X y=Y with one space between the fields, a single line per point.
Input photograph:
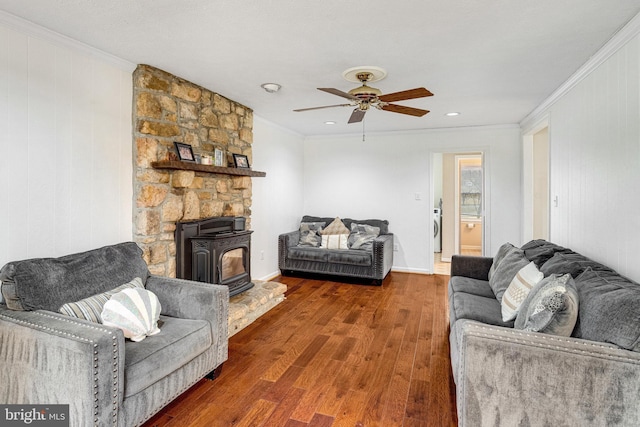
x=241 y=161
x=185 y=153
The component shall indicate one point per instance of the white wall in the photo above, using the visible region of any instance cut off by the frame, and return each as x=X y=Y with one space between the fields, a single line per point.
x=65 y=144
x=277 y=198
x=379 y=178
x=594 y=136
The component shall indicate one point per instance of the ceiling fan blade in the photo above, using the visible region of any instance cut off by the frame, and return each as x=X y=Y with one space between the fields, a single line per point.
x=326 y=106
x=419 y=92
x=357 y=115
x=338 y=92
x=405 y=110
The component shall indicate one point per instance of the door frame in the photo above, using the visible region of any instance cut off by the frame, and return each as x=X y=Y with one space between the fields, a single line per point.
x=528 y=205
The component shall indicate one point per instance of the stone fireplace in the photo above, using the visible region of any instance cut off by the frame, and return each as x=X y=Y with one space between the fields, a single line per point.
x=166 y=109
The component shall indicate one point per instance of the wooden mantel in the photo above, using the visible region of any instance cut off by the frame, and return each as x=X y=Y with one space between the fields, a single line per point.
x=188 y=166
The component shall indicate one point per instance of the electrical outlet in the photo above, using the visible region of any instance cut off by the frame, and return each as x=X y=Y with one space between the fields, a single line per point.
x=395 y=248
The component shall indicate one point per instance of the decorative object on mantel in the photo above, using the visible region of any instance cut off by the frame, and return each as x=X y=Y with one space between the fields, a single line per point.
x=241 y=161
x=206 y=160
x=190 y=166
x=185 y=153
x=219 y=157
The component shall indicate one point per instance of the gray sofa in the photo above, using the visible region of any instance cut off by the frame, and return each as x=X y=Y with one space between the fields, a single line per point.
x=372 y=264
x=50 y=358
x=512 y=377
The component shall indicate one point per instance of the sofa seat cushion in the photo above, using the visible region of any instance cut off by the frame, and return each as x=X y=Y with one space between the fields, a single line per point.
x=482 y=309
x=148 y=361
x=308 y=254
x=351 y=257
x=609 y=309
x=471 y=286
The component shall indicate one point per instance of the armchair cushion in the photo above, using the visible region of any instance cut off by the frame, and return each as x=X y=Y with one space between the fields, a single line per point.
x=48 y=283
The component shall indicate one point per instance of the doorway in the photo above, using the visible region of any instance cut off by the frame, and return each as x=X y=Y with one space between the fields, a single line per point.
x=536 y=183
x=458 y=200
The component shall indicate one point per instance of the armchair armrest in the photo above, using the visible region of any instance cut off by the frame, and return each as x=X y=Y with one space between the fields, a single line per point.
x=49 y=358
x=187 y=299
x=506 y=376
x=474 y=267
x=382 y=255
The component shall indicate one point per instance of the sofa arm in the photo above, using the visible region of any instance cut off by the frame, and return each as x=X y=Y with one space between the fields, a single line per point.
x=513 y=377
x=285 y=241
x=382 y=255
x=49 y=358
x=474 y=267
x=187 y=299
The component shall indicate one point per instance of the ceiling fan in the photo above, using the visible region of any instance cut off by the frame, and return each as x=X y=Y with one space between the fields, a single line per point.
x=365 y=97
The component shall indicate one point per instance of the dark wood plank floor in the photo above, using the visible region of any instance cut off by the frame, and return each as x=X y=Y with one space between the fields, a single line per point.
x=334 y=354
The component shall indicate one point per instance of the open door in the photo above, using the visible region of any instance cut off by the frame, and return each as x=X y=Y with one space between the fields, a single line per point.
x=469 y=204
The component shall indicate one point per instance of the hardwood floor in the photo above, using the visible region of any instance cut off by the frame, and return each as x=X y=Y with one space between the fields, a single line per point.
x=334 y=354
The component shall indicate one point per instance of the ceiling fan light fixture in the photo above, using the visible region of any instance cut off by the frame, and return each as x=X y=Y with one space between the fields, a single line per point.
x=270 y=87
x=452 y=114
x=329 y=122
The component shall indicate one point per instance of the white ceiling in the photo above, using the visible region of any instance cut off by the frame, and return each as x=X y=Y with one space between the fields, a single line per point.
x=494 y=61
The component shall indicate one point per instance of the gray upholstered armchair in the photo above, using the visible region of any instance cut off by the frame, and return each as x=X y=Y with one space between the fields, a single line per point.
x=50 y=358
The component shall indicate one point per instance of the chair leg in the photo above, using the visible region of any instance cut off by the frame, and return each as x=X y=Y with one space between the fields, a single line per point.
x=215 y=373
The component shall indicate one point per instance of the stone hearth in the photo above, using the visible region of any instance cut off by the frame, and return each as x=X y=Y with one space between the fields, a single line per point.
x=246 y=307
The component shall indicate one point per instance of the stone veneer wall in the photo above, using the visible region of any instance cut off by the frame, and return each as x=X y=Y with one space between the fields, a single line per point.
x=167 y=109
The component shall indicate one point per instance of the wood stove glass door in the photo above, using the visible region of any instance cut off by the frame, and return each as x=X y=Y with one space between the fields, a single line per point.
x=232 y=264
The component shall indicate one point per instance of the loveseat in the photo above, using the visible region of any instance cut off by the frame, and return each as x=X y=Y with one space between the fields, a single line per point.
x=509 y=375
x=372 y=262
x=47 y=357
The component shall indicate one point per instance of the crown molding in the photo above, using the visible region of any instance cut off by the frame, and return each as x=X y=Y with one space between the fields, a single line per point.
x=619 y=40
x=34 y=30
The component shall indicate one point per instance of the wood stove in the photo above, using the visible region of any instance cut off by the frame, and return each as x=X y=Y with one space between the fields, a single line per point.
x=215 y=250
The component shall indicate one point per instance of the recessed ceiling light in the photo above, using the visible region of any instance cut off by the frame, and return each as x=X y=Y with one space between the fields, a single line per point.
x=452 y=114
x=329 y=122
x=271 y=87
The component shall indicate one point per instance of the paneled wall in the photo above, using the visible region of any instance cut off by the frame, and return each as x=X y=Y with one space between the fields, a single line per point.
x=65 y=145
x=594 y=132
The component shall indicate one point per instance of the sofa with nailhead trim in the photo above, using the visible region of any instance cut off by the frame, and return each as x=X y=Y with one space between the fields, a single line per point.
x=50 y=358
x=509 y=375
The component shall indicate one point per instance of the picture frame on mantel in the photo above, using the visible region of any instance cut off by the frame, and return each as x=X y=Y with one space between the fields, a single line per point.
x=185 y=152
x=241 y=161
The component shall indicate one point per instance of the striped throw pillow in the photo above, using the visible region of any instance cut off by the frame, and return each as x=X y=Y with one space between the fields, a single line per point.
x=334 y=241
x=520 y=286
x=336 y=227
x=91 y=307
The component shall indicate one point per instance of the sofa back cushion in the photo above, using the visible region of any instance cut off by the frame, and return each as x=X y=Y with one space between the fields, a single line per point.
x=609 y=309
x=48 y=283
x=572 y=263
x=540 y=251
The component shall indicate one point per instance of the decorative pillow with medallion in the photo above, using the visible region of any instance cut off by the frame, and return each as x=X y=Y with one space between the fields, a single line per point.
x=362 y=236
x=310 y=234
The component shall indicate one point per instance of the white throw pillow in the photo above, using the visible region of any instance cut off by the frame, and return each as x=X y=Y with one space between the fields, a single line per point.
x=526 y=278
x=334 y=241
x=135 y=311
